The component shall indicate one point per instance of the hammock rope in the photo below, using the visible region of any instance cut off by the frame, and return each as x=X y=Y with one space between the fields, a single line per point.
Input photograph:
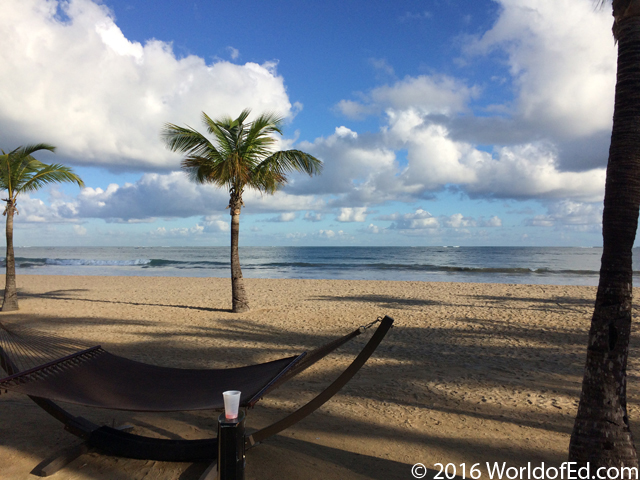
x=28 y=348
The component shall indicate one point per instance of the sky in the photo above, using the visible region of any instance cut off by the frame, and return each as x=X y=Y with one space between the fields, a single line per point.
x=439 y=122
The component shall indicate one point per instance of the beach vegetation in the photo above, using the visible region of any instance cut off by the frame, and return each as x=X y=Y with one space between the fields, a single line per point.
x=20 y=173
x=241 y=155
x=601 y=434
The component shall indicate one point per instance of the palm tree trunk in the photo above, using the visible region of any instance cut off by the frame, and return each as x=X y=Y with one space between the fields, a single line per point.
x=10 y=302
x=601 y=433
x=240 y=302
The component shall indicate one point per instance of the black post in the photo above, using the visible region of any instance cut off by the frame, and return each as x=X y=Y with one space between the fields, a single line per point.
x=231 y=447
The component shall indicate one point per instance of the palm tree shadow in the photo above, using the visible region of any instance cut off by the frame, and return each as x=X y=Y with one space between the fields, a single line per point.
x=67 y=295
x=387 y=301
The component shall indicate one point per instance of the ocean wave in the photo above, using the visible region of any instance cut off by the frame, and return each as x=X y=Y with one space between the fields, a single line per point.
x=22 y=262
x=420 y=267
x=284 y=266
x=79 y=262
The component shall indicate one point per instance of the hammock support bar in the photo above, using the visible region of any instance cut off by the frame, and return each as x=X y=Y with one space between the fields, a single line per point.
x=113 y=441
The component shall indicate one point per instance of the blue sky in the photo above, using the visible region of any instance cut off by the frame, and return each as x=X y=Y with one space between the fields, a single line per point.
x=439 y=122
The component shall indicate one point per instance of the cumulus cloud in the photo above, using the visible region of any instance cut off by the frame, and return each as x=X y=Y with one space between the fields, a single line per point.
x=213 y=223
x=577 y=216
x=371 y=228
x=104 y=101
x=328 y=233
x=419 y=220
x=331 y=235
x=493 y=221
x=550 y=141
x=426 y=94
x=170 y=195
x=353 y=164
x=364 y=169
x=561 y=64
x=562 y=58
x=295 y=235
x=284 y=217
x=422 y=220
x=313 y=217
x=349 y=214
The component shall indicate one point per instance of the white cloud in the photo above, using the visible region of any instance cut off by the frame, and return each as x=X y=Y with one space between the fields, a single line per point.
x=457 y=220
x=577 y=216
x=551 y=140
x=101 y=98
x=170 y=195
x=284 y=217
x=349 y=214
x=562 y=57
x=494 y=221
x=382 y=66
x=353 y=165
x=295 y=236
x=522 y=171
x=213 y=223
x=419 y=220
x=331 y=235
x=343 y=131
x=79 y=230
x=313 y=217
x=436 y=94
x=234 y=53
x=355 y=110
x=178 y=232
x=371 y=228
x=327 y=233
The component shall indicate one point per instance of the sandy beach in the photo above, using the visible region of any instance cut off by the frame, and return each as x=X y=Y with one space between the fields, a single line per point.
x=471 y=373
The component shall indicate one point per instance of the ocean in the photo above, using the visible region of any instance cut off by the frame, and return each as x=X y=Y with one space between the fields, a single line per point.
x=523 y=265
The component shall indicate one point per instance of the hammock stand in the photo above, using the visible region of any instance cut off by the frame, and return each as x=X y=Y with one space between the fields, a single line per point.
x=58 y=380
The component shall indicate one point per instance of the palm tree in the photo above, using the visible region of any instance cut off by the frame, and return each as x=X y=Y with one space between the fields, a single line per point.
x=241 y=156
x=20 y=172
x=601 y=433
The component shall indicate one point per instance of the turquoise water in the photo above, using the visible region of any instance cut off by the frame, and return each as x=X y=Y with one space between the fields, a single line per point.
x=528 y=265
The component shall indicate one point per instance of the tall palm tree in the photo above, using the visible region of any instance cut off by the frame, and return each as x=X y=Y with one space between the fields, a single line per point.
x=241 y=156
x=21 y=173
x=601 y=433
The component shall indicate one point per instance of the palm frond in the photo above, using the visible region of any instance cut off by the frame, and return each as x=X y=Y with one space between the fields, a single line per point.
x=54 y=173
x=28 y=150
x=185 y=140
x=241 y=154
x=220 y=129
x=20 y=171
x=271 y=174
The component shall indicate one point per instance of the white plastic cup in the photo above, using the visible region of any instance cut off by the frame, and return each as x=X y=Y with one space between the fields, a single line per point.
x=231 y=404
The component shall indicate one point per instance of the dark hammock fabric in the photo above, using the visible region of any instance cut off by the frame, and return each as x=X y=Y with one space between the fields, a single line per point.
x=99 y=379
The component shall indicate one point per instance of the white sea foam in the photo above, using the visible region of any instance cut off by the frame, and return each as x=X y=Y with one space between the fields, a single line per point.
x=77 y=262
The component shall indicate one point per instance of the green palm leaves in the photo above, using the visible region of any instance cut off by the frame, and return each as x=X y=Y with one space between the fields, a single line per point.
x=20 y=172
x=241 y=155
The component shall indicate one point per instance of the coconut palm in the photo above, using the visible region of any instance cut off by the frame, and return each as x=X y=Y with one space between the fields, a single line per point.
x=21 y=173
x=601 y=433
x=241 y=156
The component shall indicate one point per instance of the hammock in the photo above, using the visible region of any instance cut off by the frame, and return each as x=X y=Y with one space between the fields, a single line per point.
x=96 y=378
